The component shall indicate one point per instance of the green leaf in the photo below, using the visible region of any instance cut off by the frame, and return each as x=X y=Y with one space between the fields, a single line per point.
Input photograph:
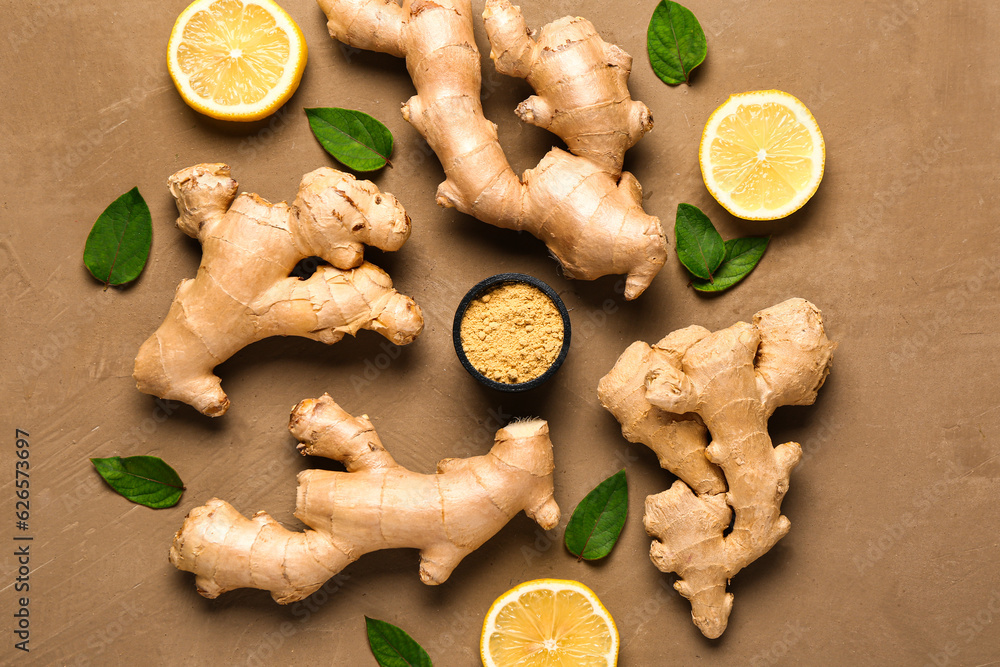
x=392 y=647
x=598 y=520
x=118 y=244
x=356 y=139
x=675 y=41
x=742 y=256
x=699 y=245
x=145 y=480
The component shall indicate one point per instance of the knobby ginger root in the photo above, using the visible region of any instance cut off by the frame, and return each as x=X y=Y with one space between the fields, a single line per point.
x=376 y=504
x=580 y=203
x=701 y=401
x=244 y=292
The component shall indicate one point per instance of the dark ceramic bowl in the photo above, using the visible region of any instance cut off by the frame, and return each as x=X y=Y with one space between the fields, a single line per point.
x=483 y=287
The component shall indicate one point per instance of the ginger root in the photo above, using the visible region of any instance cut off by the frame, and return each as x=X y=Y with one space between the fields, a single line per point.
x=376 y=504
x=701 y=401
x=244 y=292
x=580 y=204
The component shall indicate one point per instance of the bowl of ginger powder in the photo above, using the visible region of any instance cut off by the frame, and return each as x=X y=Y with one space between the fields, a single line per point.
x=511 y=332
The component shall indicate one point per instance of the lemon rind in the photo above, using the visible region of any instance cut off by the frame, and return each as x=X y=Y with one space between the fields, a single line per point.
x=275 y=98
x=805 y=118
x=489 y=624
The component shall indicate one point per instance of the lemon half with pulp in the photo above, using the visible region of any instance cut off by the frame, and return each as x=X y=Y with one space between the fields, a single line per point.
x=236 y=59
x=549 y=623
x=762 y=155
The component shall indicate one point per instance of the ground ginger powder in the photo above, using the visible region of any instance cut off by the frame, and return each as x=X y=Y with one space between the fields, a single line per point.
x=513 y=333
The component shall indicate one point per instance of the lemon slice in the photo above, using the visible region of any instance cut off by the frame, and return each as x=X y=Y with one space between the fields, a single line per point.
x=551 y=623
x=236 y=59
x=762 y=155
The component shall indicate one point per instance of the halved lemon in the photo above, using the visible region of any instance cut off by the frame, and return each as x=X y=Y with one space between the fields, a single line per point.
x=236 y=59
x=762 y=155
x=550 y=623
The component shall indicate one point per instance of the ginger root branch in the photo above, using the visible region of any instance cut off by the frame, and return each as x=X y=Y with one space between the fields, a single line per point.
x=701 y=400
x=376 y=504
x=579 y=203
x=243 y=291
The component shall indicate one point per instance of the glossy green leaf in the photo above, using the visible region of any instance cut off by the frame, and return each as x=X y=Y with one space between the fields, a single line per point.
x=676 y=42
x=118 y=245
x=699 y=245
x=356 y=139
x=742 y=255
x=598 y=520
x=145 y=480
x=392 y=647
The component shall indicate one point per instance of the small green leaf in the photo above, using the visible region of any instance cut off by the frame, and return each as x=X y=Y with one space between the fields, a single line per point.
x=356 y=139
x=699 y=245
x=145 y=480
x=675 y=41
x=598 y=520
x=742 y=256
x=392 y=647
x=118 y=244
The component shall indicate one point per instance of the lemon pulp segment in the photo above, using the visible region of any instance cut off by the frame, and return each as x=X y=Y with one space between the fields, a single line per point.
x=233 y=53
x=761 y=156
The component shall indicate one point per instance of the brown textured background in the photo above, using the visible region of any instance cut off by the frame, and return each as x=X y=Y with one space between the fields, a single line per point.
x=893 y=553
